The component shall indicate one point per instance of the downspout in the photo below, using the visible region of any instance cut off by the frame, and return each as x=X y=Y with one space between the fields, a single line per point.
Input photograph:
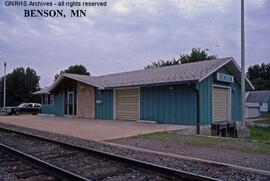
x=198 y=108
x=198 y=111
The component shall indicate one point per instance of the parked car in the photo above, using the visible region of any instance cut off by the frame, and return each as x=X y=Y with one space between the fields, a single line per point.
x=24 y=108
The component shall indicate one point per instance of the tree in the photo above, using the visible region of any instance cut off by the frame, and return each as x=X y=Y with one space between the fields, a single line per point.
x=162 y=63
x=74 y=69
x=196 y=55
x=259 y=75
x=20 y=84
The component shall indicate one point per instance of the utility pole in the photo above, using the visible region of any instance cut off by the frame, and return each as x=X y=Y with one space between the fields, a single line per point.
x=4 y=98
x=243 y=62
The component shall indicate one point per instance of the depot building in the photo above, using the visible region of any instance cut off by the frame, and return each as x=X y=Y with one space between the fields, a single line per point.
x=201 y=92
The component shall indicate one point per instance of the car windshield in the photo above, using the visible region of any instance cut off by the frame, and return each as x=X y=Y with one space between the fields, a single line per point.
x=22 y=105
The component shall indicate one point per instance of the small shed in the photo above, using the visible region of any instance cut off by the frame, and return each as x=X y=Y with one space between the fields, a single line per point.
x=262 y=98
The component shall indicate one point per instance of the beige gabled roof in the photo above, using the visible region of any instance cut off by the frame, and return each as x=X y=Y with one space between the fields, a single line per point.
x=170 y=74
x=190 y=72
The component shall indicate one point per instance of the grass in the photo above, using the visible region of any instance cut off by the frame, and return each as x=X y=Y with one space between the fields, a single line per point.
x=260 y=133
x=161 y=136
x=265 y=118
x=266 y=115
x=263 y=121
x=214 y=142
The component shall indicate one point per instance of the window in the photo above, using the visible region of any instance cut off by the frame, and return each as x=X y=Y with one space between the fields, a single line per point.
x=43 y=99
x=29 y=105
x=22 y=105
x=47 y=99
x=37 y=105
x=51 y=100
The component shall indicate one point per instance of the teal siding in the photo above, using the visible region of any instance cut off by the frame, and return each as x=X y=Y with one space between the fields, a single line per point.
x=104 y=110
x=174 y=104
x=178 y=106
x=236 y=102
x=205 y=88
x=57 y=108
x=47 y=109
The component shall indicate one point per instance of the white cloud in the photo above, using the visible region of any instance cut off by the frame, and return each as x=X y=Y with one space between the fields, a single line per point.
x=128 y=34
x=121 y=7
x=254 y=4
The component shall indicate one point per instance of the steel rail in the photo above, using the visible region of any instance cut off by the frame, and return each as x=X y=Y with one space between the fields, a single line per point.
x=166 y=171
x=46 y=167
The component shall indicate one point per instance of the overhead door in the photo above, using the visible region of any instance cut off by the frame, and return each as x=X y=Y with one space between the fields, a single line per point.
x=221 y=104
x=253 y=112
x=127 y=104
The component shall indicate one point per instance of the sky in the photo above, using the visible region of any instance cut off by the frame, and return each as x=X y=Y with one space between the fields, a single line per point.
x=129 y=34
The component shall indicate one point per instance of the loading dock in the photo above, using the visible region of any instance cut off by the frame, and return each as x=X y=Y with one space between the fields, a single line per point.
x=89 y=129
x=221 y=103
x=127 y=104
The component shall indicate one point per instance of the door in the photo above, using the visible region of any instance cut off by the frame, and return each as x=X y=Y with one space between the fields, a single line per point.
x=70 y=109
x=253 y=112
x=127 y=104
x=70 y=101
x=221 y=104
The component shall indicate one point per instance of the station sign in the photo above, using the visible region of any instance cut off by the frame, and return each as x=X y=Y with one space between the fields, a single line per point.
x=225 y=78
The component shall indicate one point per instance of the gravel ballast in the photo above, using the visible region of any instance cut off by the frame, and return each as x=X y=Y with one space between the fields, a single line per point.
x=4 y=176
x=236 y=157
x=13 y=168
x=88 y=165
x=221 y=172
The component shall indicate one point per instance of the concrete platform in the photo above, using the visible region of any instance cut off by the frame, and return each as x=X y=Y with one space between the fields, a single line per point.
x=90 y=129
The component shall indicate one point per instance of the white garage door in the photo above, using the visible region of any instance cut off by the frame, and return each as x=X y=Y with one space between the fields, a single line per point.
x=252 y=112
x=221 y=104
x=127 y=104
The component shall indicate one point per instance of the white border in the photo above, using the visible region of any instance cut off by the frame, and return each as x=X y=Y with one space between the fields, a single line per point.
x=234 y=62
x=230 y=100
x=54 y=84
x=207 y=75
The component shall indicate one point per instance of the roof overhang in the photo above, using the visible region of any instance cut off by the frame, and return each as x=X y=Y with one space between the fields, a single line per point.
x=99 y=83
x=154 y=84
x=41 y=92
x=235 y=69
x=63 y=76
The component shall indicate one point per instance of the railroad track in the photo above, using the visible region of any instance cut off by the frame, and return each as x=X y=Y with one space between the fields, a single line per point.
x=71 y=162
x=23 y=166
x=14 y=168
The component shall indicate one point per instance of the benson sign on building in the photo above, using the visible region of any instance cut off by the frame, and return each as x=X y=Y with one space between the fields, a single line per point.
x=170 y=95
